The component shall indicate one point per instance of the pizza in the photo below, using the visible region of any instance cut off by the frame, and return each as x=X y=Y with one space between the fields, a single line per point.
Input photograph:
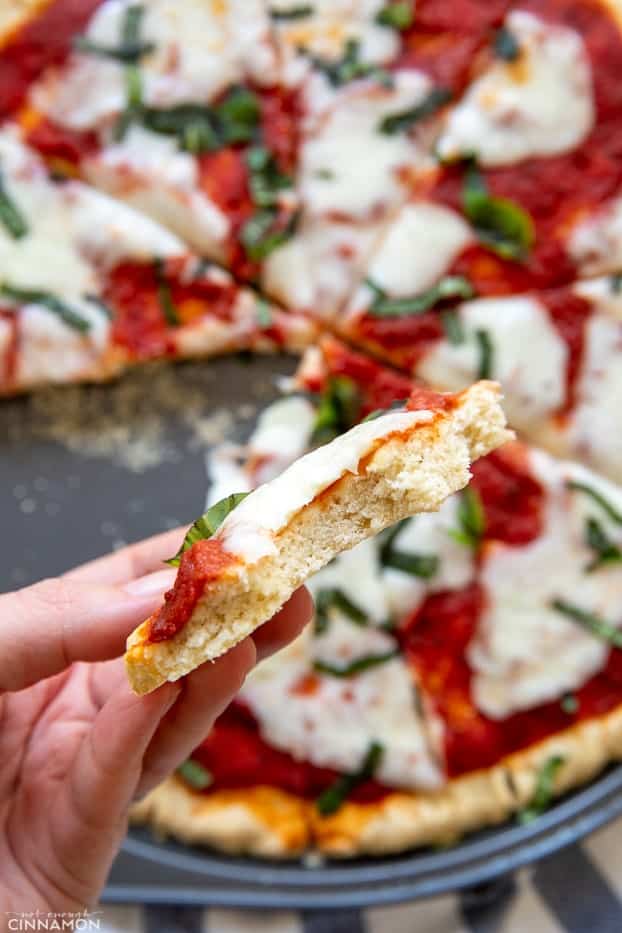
x=462 y=666
x=243 y=559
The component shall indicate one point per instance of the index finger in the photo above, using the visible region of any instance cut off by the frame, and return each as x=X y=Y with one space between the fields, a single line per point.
x=130 y=562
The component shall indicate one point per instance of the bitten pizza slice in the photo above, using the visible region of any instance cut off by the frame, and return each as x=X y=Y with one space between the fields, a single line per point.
x=231 y=581
x=88 y=286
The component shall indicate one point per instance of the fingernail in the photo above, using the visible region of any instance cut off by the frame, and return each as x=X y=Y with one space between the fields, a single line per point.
x=152 y=584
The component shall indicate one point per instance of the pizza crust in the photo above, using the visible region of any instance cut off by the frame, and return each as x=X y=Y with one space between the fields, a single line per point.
x=267 y=822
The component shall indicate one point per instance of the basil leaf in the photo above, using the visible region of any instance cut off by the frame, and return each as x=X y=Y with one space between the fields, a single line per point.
x=405 y=119
x=338 y=410
x=615 y=281
x=592 y=623
x=598 y=497
x=195 y=774
x=103 y=307
x=293 y=12
x=11 y=217
x=569 y=704
x=363 y=663
x=453 y=327
x=424 y=566
x=131 y=48
x=207 y=524
x=500 y=224
x=398 y=405
x=238 y=116
x=134 y=102
x=266 y=180
x=259 y=237
x=169 y=311
x=32 y=296
x=452 y=286
x=327 y=599
x=199 y=128
x=263 y=312
x=333 y=797
x=605 y=551
x=398 y=15
x=486 y=353
x=544 y=791
x=471 y=519
x=349 y=67
x=506 y=45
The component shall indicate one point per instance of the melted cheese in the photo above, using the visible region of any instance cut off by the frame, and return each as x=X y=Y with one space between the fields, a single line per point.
x=249 y=530
x=358 y=574
x=333 y=725
x=348 y=167
x=595 y=243
x=542 y=104
x=525 y=652
x=529 y=357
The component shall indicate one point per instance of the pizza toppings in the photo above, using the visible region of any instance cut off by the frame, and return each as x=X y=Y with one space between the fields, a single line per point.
x=363 y=663
x=592 y=623
x=544 y=791
x=336 y=795
x=208 y=524
x=500 y=224
x=10 y=215
x=449 y=287
x=195 y=775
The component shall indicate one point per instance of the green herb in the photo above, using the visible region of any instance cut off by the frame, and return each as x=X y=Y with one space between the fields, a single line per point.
x=405 y=119
x=500 y=224
x=486 y=353
x=195 y=774
x=592 y=623
x=569 y=704
x=103 y=307
x=11 y=217
x=334 y=598
x=199 y=128
x=605 y=551
x=32 y=296
x=263 y=313
x=424 y=566
x=349 y=67
x=293 y=12
x=133 y=112
x=545 y=787
x=506 y=45
x=333 y=797
x=260 y=237
x=169 y=311
x=471 y=519
x=452 y=286
x=363 y=663
x=266 y=181
x=453 y=327
x=326 y=174
x=598 y=497
x=208 y=524
x=398 y=405
x=338 y=409
x=131 y=48
x=615 y=282
x=398 y=16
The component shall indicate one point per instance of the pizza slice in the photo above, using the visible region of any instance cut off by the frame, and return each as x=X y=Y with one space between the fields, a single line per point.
x=242 y=560
x=463 y=665
x=88 y=286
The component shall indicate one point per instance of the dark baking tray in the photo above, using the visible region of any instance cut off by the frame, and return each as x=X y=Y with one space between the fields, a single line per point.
x=60 y=507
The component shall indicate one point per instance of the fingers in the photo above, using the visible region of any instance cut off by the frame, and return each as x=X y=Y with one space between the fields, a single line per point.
x=130 y=562
x=285 y=625
x=46 y=627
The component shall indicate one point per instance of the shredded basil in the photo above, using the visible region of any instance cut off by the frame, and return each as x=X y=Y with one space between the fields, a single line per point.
x=169 y=311
x=405 y=119
x=263 y=312
x=605 y=551
x=134 y=109
x=592 y=623
x=260 y=237
x=195 y=774
x=471 y=519
x=334 y=796
x=349 y=67
x=399 y=15
x=266 y=181
x=293 y=12
x=424 y=566
x=398 y=405
x=103 y=307
x=506 y=45
x=32 y=296
x=545 y=787
x=335 y=598
x=453 y=327
x=363 y=663
x=11 y=216
x=452 y=286
x=569 y=704
x=616 y=283
x=207 y=524
x=500 y=224
x=338 y=410
x=131 y=48
x=199 y=128
x=598 y=497
x=486 y=354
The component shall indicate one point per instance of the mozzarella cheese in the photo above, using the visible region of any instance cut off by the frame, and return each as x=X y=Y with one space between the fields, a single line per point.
x=333 y=724
x=539 y=105
x=528 y=356
x=595 y=243
x=525 y=652
x=249 y=530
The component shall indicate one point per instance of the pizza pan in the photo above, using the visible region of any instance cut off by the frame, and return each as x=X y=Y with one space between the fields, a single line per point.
x=85 y=470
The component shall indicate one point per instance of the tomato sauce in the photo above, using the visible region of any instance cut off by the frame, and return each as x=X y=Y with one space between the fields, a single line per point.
x=200 y=565
x=378 y=386
x=512 y=498
x=569 y=314
x=60 y=144
x=45 y=40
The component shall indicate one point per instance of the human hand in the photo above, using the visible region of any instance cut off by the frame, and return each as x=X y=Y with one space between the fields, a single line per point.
x=76 y=745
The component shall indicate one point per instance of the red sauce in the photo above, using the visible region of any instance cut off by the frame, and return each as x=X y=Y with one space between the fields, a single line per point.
x=569 y=313
x=8 y=360
x=45 y=40
x=423 y=398
x=512 y=498
x=139 y=325
x=59 y=143
x=378 y=385
x=405 y=339
x=235 y=755
x=200 y=565
x=281 y=113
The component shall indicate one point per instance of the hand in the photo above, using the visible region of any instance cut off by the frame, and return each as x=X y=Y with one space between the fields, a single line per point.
x=76 y=745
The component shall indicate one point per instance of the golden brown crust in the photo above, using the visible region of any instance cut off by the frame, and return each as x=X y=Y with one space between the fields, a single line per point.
x=259 y=821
